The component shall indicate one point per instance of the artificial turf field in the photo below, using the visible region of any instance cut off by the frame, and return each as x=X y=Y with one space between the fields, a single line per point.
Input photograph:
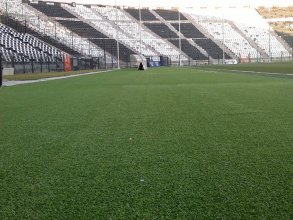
x=167 y=143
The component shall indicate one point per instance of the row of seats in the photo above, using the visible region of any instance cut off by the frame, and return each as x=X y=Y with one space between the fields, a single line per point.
x=231 y=38
x=190 y=31
x=98 y=38
x=164 y=31
x=52 y=10
x=96 y=19
x=10 y=56
x=47 y=30
x=211 y=48
x=24 y=45
x=137 y=32
x=141 y=14
x=265 y=39
x=170 y=15
x=189 y=50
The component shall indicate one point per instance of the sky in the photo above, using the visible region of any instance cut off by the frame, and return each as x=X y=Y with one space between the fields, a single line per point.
x=186 y=3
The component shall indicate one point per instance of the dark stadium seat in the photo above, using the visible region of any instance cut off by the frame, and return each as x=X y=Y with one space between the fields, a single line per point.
x=189 y=49
x=21 y=28
x=52 y=10
x=170 y=15
x=189 y=30
x=162 y=30
x=98 y=38
x=146 y=15
x=16 y=45
x=165 y=32
x=211 y=48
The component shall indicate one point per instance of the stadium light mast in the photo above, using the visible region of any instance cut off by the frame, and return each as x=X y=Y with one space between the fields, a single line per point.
x=180 y=49
x=139 y=11
x=117 y=36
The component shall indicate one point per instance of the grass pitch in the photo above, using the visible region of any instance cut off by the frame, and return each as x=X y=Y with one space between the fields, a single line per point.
x=167 y=143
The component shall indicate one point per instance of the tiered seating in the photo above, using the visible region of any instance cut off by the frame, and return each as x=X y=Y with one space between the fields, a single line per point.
x=26 y=29
x=52 y=10
x=26 y=46
x=211 y=48
x=265 y=40
x=9 y=55
x=51 y=32
x=170 y=15
x=189 y=50
x=105 y=26
x=232 y=39
x=98 y=38
x=165 y=32
x=188 y=30
x=110 y=13
x=146 y=15
x=136 y=32
x=162 y=30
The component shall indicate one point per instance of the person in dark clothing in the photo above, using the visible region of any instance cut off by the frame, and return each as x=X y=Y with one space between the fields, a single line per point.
x=140 y=67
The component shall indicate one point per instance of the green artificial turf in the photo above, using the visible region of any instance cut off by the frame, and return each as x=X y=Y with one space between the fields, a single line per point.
x=34 y=76
x=282 y=68
x=167 y=143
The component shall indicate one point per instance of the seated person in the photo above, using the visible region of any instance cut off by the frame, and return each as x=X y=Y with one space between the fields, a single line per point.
x=140 y=67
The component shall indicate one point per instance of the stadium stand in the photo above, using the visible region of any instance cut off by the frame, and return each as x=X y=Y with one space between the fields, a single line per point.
x=146 y=15
x=188 y=49
x=165 y=32
x=98 y=38
x=211 y=48
x=21 y=28
x=25 y=18
x=170 y=15
x=190 y=31
x=27 y=46
x=224 y=32
x=110 y=29
x=265 y=39
x=52 y=10
x=46 y=31
x=133 y=28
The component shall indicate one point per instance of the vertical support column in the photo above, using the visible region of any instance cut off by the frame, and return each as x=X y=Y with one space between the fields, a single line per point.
x=180 y=49
x=223 y=33
x=139 y=27
x=117 y=37
x=1 y=70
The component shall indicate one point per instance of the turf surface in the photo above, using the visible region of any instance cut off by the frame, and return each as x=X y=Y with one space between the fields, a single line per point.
x=35 y=76
x=281 y=68
x=162 y=144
